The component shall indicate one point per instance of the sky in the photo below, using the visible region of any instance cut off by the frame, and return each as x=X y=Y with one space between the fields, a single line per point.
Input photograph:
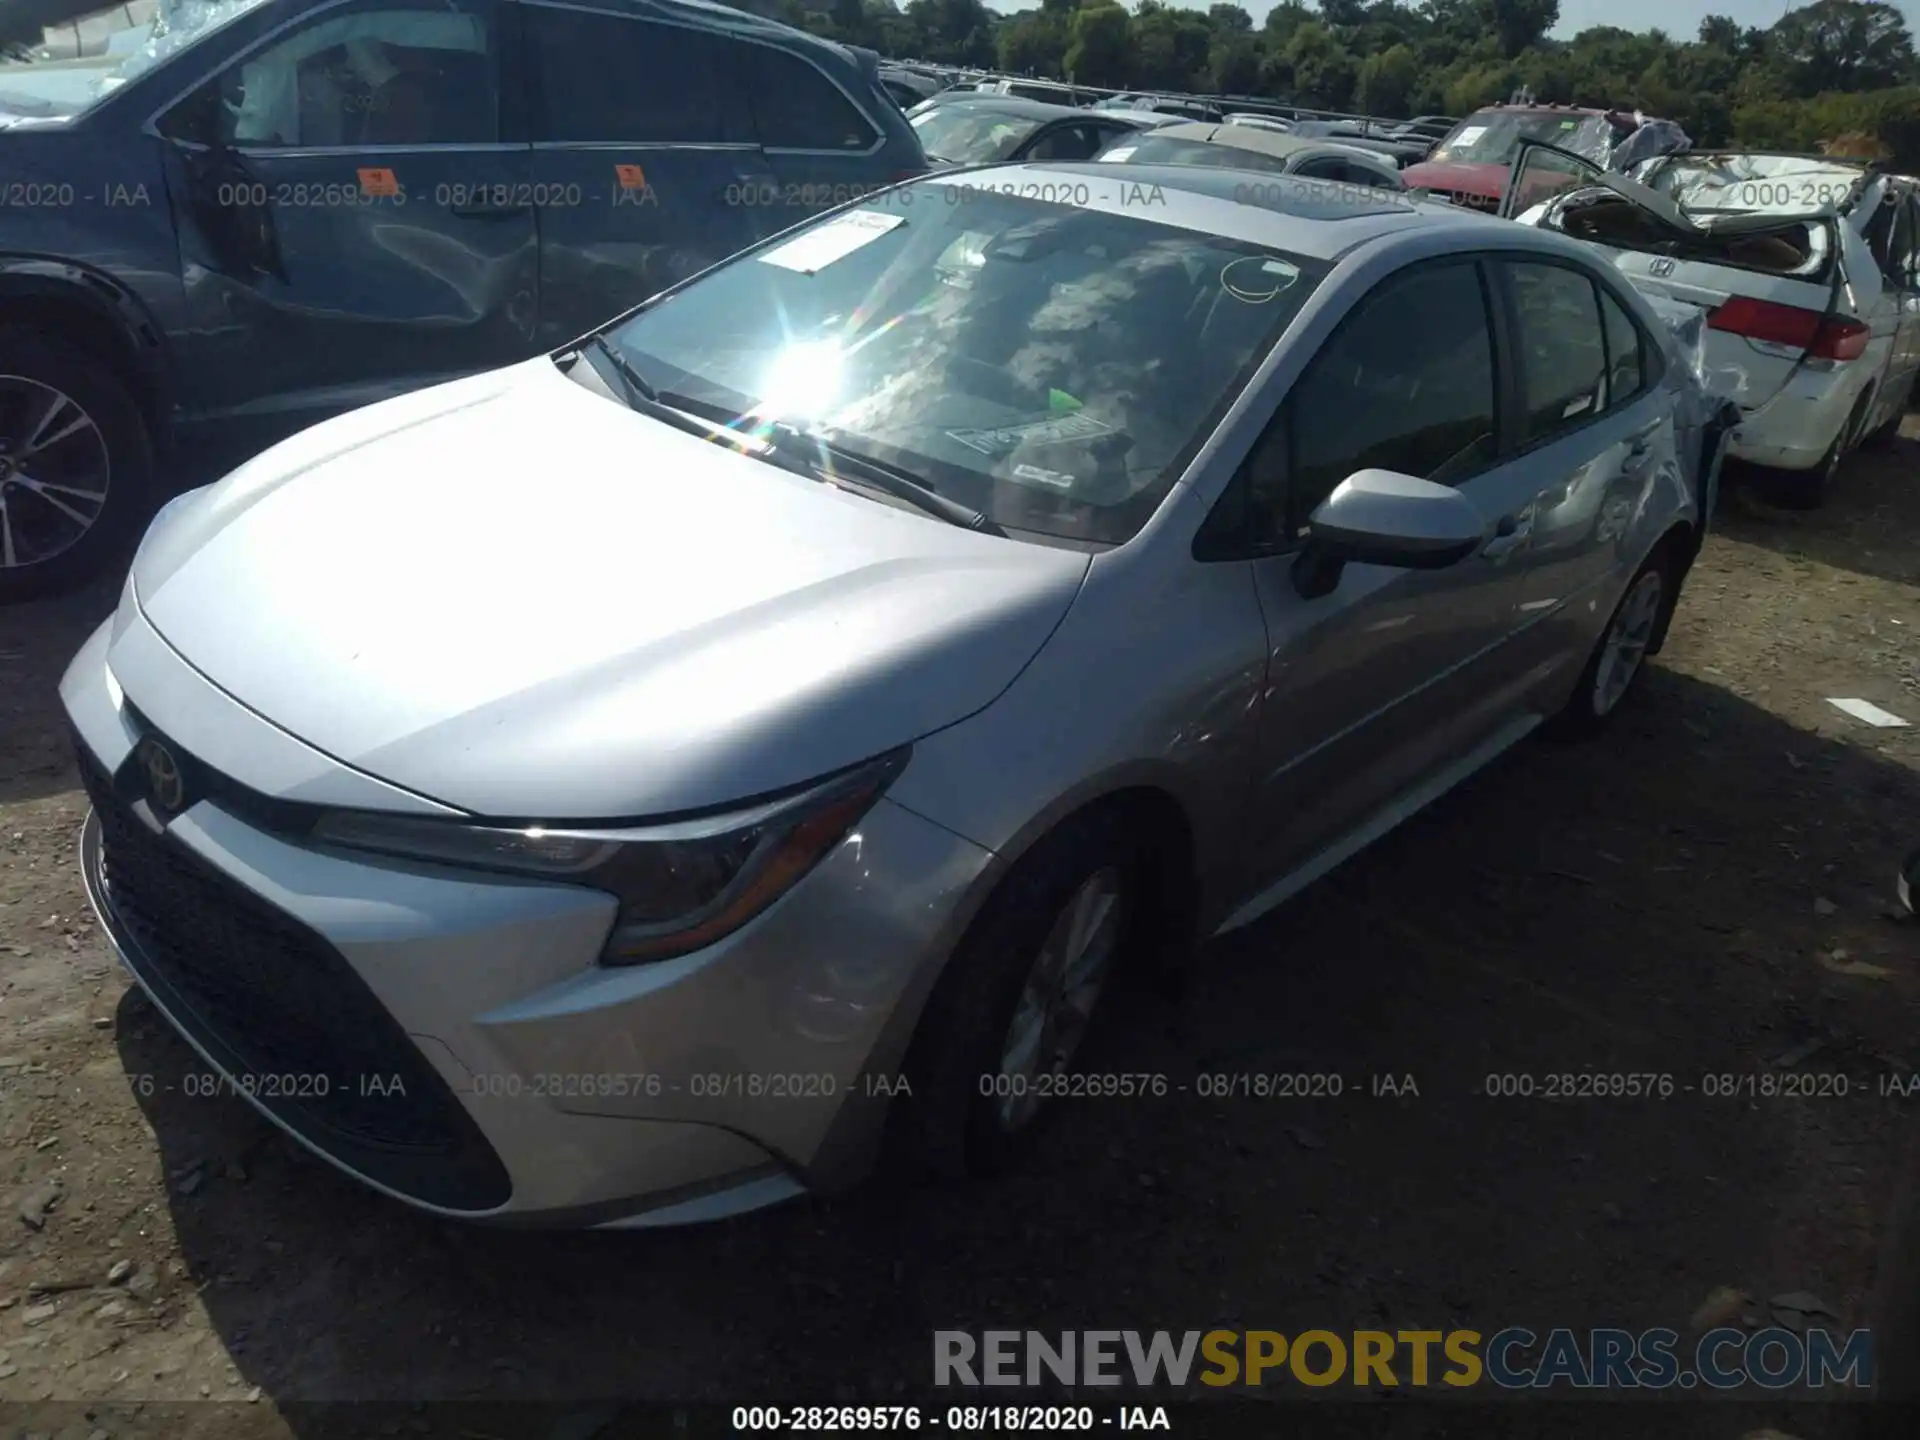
x=1679 y=18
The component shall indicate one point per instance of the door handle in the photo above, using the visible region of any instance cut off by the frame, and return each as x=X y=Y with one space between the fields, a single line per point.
x=481 y=210
x=1640 y=448
x=1509 y=534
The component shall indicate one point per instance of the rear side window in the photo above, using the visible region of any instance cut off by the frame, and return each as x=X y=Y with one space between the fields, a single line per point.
x=796 y=107
x=1626 y=366
x=1405 y=384
x=602 y=77
x=1563 y=351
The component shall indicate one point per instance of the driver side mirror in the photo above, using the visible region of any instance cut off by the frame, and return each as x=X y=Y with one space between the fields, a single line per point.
x=1380 y=517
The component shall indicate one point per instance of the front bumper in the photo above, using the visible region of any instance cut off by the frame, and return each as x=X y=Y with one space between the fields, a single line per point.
x=449 y=1039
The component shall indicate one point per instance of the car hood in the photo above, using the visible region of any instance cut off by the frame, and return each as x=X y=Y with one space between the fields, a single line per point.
x=518 y=598
x=1483 y=180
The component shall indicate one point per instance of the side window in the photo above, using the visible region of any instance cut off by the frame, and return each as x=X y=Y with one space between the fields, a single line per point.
x=1069 y=142
x=1406 y=384
x=1900 y=247
x=1321 y=170
x=796 y=107
x=1563 y=355
x=1626 y=370
x=604 y=77
x=397 y=74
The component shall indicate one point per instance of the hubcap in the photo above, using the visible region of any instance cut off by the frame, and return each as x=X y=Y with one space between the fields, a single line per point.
x=1626 y=642
x=1057 y=1001
x=54 y=472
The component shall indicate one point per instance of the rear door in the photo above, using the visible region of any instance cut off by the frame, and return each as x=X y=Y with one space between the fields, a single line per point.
x=1902 y=304
x=822 y=145
x=645 y=169
x=1592 y=423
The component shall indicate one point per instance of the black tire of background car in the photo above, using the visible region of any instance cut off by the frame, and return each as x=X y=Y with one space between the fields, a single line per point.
x=1578 y=718
x=946 y=1126
x=1889 y=430
x=130 y=457
x=1809 y=489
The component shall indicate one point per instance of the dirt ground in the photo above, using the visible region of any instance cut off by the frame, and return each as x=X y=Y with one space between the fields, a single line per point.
x=1703 y=891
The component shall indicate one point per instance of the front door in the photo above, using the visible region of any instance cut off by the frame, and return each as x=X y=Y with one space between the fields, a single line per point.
x=644 y=162
x=339 y=236
x=1396 y=674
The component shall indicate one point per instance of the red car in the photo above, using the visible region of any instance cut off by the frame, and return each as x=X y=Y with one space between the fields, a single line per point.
x=1470 y=166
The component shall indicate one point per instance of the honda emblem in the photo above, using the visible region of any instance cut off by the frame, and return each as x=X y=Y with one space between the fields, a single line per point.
x=1660 y=269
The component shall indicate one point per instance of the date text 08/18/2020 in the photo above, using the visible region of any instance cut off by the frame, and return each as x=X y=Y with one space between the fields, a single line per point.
x=957 y=1419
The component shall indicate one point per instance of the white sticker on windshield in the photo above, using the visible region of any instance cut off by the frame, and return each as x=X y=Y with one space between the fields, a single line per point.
x=1470 y=134
x=835 y=240
x=1125 y=152
x=1055 y=430
x=1053 y=479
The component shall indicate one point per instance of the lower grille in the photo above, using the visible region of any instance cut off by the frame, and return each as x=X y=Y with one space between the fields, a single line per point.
x=281 y=1011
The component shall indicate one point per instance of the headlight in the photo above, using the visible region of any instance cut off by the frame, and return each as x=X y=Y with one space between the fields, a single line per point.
x=682 y=885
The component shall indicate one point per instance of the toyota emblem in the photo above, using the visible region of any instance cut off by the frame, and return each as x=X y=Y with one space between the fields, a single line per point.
x=166 y=783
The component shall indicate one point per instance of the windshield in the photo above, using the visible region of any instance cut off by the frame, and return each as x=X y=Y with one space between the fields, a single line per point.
x=176 y=25
x=1051 y=364
x=1159 y=150
x=972 y=135
x=1750 y=184
x=1491 y=137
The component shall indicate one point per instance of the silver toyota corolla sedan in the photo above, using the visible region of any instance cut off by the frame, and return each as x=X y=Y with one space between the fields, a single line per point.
x=625 y=787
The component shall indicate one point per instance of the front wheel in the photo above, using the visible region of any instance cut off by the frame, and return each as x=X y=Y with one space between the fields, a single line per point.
x=1005 y=1024
x=76 y=465
x=1621 y=652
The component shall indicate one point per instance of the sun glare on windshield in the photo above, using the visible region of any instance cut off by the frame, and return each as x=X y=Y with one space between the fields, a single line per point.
x=803 y=381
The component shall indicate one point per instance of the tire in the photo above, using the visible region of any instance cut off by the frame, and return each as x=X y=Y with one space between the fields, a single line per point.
x=101 y=446
x=945 y=1125
x=1641 y=613
x=1810 y=489
x=1889 y=431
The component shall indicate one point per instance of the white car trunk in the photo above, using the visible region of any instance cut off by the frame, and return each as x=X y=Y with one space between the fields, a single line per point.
x=1769 y=247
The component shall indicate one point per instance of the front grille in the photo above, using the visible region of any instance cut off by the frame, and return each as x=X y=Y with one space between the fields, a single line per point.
x=282 y=1012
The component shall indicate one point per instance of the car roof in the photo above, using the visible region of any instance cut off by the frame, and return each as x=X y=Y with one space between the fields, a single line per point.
x=1017 y=105
x=1263 y=141
x=1313 y=218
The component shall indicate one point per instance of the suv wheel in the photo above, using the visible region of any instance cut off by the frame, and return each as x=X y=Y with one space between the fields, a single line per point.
x=76 y=465
x=1014 y=1004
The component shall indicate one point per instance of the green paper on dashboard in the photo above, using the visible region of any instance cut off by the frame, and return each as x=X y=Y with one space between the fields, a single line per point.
x=1060 y=402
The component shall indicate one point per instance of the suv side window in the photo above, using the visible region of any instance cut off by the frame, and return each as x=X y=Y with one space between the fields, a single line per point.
x=796 y=107
x=1900 y=248
x=388 y=74
x=603 y=77
x=1562 y=349
x=1406 y=384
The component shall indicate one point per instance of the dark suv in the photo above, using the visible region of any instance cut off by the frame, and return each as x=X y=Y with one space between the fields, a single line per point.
x=277 y=210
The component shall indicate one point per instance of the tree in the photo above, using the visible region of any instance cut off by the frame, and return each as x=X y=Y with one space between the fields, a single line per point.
x=1844 y=45
x=1518 y=24
x=1387 y=81
x=1098 y=45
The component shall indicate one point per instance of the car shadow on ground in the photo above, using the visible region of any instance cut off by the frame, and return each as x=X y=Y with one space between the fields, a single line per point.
x=37 y=639
x=1867 y=529
x=1642 y=905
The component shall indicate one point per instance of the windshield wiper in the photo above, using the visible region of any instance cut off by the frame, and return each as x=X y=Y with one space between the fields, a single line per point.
x=695 y=416
x=900 y=483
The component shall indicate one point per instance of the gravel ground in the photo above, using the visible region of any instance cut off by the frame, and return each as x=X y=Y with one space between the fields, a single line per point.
x=1703 y=891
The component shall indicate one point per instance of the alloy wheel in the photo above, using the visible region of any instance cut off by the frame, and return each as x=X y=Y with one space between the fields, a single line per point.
x=1626 y=644
x=1056 y=1004
x=55 y=471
